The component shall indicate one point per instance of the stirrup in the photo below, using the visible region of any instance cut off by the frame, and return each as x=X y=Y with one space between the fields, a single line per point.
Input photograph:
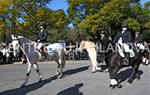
x=126 y=61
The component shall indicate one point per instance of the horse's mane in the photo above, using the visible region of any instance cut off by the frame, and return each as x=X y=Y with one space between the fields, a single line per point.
x=89 y=44
x=25 y=40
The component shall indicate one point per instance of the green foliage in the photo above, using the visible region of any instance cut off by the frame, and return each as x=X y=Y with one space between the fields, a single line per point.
x=146 y=35
x=79 y=9
x=23 y=17
x=109 y=15
x=133 y=24
x=89 y=17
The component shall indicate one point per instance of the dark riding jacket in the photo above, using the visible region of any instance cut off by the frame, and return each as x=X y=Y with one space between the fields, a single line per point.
x=42 y=36
x=126 y=37
x=138 y=39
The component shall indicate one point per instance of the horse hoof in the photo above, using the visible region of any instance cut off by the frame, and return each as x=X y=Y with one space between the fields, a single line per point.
x=100 y=70
x=138 y=78
x=106 y=70
x=111 y=86
x=60 y=76
x=94 y=71
x=129 y=83
x=119 y=86
x=40 y=80
x=23 y=85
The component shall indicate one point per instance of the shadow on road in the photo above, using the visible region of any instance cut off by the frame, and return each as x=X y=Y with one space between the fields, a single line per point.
x=35 y=86
x=74 y=71
x=124 y=75
x=28 y=88
x=72 y=90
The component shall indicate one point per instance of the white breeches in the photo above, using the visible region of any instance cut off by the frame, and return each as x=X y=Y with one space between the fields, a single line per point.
x=140 y=46
x=126 y=47
x=39 y=46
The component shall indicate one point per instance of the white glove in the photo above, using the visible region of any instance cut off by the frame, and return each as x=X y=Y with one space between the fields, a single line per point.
x=38 y=40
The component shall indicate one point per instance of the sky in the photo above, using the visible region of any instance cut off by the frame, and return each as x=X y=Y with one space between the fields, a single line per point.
x=58 y=4
x=62 y=4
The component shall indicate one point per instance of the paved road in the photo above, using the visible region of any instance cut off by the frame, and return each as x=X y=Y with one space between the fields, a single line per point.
x=78 y=80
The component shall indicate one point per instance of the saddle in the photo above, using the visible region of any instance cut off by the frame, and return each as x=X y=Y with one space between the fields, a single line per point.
x=121 y=52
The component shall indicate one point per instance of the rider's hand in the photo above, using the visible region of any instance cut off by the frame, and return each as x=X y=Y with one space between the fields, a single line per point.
x=38 y=40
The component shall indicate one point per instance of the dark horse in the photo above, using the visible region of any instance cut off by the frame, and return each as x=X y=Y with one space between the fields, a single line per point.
x=114 y=63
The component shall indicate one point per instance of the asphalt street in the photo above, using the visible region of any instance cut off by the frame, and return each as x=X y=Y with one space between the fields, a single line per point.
x=77 y=80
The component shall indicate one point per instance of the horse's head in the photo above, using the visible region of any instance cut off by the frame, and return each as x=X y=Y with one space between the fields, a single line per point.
x=15 y=45
x=86 y=45
x=82 y=44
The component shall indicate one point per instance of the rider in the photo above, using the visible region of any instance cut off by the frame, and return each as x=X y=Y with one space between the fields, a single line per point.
x=138 y=41
x=42 y=38
x=123 y=38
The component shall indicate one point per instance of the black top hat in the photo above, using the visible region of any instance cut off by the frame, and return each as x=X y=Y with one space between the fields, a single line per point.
x=124 y=25
x=102 y=32
x=44 y=25
x=137 y=32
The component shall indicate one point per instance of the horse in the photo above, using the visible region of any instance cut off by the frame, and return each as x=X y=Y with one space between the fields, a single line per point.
x=91 y=49
x=114 y=62
x=54 y=52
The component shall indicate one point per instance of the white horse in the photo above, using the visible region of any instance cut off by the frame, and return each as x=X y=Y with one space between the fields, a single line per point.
x=54 y=51
x=91 y=49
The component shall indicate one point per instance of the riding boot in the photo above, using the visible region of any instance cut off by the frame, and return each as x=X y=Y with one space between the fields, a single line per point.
x=44 y=57
x=40 y=54
x=126 y=59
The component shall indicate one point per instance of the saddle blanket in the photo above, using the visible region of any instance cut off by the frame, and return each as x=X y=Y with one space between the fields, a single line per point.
x=132 y=54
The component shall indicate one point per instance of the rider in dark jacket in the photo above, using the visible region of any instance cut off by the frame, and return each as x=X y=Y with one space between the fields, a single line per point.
x=124 y=38
x=138 y=41
x=42 y=38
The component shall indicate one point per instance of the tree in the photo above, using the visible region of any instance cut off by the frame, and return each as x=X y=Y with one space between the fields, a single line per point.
x=112 y=14
x=24 y=16
x=79 y=9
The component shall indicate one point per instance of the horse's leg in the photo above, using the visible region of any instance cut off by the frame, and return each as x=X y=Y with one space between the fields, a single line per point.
x=94 y=63
x=106 y=62
x=90 y=53
x=112 y=72
x=60 y=68
x=98 y=68
x=94 y=57
x=27 y=74
x=35 y=65
x=134 y=72
x=146 y=61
